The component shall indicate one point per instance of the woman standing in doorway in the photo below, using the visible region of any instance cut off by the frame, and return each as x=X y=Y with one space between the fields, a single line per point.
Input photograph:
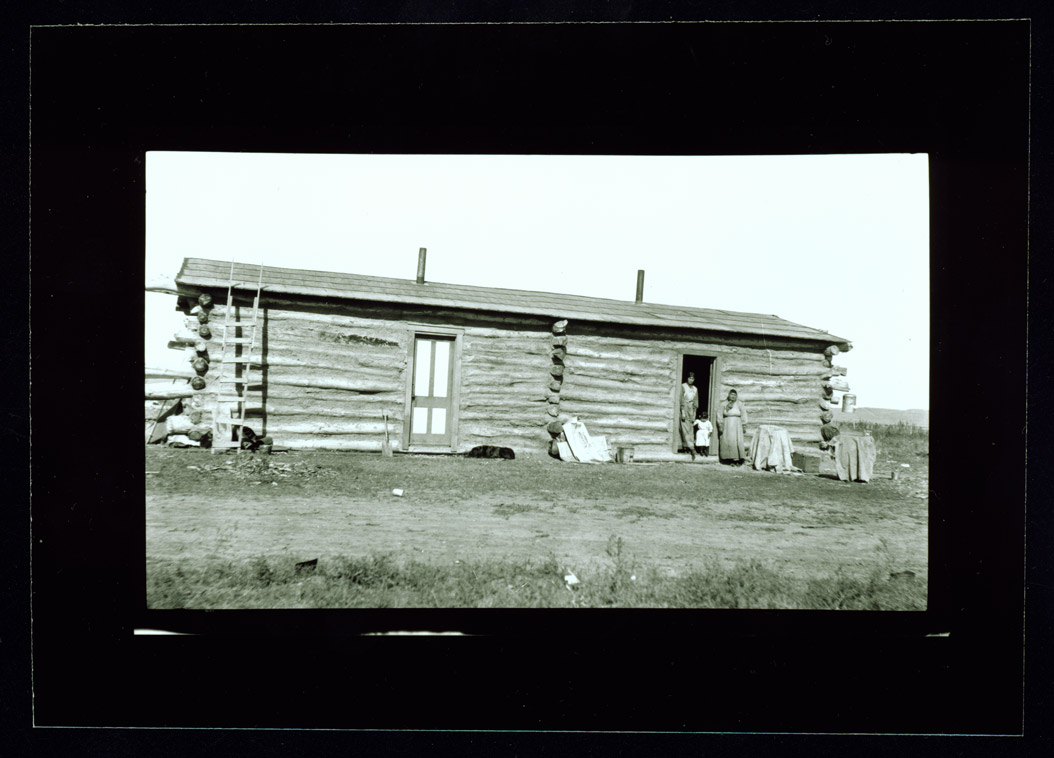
x=689 y=407
x=731 y=427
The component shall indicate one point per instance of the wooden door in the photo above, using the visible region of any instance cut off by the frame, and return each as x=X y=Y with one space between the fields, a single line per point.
x=431 y=399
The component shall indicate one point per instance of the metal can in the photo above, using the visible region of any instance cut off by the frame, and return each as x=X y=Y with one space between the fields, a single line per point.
x=848 y=403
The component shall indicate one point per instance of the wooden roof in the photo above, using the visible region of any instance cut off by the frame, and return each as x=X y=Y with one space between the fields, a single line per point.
x=204 y=273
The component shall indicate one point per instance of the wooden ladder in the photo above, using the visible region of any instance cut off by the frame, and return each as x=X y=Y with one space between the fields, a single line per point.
x=231 y=397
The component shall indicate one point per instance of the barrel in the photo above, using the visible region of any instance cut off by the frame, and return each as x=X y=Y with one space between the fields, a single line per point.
x=848 y=403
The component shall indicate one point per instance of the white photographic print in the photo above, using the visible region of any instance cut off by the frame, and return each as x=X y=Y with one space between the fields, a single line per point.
x=537 y=381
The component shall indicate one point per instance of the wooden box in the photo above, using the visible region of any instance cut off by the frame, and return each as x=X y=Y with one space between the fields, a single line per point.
x=807 y=460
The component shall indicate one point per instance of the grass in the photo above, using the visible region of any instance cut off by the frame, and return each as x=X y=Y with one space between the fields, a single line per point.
x=383 y=581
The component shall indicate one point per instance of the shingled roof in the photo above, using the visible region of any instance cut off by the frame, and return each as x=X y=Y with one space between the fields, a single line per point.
x=204 y=273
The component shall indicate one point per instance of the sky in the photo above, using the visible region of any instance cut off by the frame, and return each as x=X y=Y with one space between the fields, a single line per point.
x=834 y=242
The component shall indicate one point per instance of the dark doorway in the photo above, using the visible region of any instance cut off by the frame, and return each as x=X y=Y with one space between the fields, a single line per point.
x=702 y=367
x=706 y=372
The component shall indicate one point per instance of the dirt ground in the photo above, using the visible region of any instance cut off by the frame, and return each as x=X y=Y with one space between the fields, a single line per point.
x=670 y=515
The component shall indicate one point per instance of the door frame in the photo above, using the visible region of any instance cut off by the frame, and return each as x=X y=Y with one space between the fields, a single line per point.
x=424 y=330
x=715 y=382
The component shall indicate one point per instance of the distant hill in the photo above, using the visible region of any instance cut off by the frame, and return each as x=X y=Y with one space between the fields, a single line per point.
x=915 y=417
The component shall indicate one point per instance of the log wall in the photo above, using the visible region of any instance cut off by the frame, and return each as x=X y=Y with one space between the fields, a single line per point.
x=330 y=371
x=327 y=375
x=624 y=386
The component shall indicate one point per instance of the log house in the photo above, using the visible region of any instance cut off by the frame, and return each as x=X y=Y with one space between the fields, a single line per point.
x=457 y=366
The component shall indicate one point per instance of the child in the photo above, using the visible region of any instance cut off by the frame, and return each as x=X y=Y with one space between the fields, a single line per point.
x=703 y=429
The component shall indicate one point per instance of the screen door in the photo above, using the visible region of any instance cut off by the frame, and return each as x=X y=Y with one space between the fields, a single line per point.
x=430 y=402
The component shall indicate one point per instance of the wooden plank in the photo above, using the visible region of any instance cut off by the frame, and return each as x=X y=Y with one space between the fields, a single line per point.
x=168 y=392
x=168 y=373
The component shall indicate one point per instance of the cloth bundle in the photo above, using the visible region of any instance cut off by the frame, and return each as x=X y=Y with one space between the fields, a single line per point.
x=854 y=457
x=771 y=448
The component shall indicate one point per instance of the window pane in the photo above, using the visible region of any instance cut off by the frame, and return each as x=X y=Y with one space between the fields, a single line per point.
x=439 y=386
x=438 y=421
x=420 y=423
x=422 y=365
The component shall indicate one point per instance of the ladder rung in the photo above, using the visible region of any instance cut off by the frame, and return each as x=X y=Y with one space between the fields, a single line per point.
x=232 y=399
x=237 y=340
x=237 y=324
x=242 y=359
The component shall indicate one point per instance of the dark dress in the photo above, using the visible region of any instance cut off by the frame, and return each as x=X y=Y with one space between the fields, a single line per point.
x=689 y=407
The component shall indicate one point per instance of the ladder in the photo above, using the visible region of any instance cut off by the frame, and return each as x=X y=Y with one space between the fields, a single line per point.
x=231 y=389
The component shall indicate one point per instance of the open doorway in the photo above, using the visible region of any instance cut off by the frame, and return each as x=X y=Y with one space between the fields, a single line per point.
x=704 y=368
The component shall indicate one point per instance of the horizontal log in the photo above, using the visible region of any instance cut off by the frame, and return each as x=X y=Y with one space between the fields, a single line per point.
x=510 y=402
x=279 y=425
x=497 y=384
x=164 y=373
x=628 y=366
x=637 y=420
x=725 y=344
x=167 y=394
x=762 y=371
x=631 y=392
x=496 y=349
x=746 y=385
x=622 y=422
x=316 y=409
x=315 y=442
x=626 y=401
x=626 y=398
x=658 y=384
x=515 y=367
x=292 y=396
x=275 y=362
x=703 y=341
x=490 y=421
x=485 y=433
x=338 y=307
x=751 y=399
x=348 y=385
x=393 y=316
x=307 y=346
x=614 y=347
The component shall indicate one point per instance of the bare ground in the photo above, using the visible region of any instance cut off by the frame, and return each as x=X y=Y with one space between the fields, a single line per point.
x=671 y=515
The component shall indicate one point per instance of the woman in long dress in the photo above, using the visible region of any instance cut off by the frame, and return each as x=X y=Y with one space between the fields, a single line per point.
x=689 y=407
x=731 y=427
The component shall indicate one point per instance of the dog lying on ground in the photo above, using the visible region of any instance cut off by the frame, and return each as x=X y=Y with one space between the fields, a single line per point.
x=491 y=451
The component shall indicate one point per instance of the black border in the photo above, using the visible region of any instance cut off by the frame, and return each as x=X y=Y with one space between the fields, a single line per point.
x=102 y=96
